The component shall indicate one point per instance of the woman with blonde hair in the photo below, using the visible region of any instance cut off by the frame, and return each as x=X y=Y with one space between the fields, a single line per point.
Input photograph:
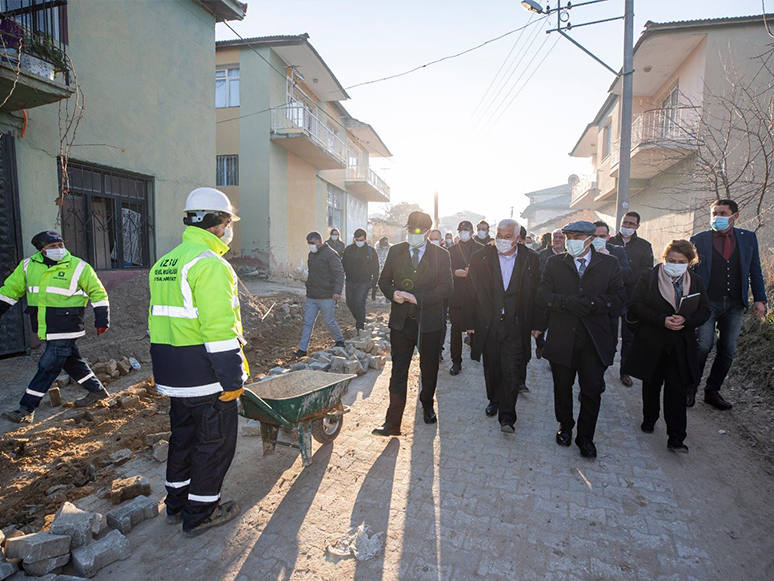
x=666 y=307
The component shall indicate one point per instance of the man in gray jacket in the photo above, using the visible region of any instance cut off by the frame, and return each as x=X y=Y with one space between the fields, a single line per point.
x=324 y=285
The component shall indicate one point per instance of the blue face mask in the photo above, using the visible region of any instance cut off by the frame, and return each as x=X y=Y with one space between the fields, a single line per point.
x=719 y=223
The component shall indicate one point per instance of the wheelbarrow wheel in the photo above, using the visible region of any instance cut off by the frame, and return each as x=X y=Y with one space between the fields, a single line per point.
x=327 y=428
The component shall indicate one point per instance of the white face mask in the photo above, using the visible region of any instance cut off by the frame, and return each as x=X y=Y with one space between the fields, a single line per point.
x=56 y=254
x=481 y=234
x=464 y=235
x=313 y=248
x=416 y=240
x=627 y=232
x=360 y=243
x=436 y=242
x=504 y=246
x=228 y=235
x=576 y=248
x=334 y=237
x=674 y=270
x=599 y=243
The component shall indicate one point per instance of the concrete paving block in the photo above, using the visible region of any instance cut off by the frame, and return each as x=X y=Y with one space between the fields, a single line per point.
x=54 y=397
x=319 y=366
x=44 y=567
x=351 y=367
x=68 y=578
x=37 y=546
x=151 y=439
x=121 y=456
x=7 y=569
x=127 y=488
x=89 y=559
x=130 y=401
x=79 y=525
x=129 y=515
x=298 y=367
x=161 y=451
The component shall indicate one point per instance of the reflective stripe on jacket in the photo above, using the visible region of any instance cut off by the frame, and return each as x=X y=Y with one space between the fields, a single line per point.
x=56 y=295
x=194 y=319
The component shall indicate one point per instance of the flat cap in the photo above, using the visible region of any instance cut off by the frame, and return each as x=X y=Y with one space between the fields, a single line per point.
x=420 y=221
x=579 y=227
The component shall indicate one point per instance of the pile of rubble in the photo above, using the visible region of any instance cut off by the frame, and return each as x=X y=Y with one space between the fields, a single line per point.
x=105 y=369
x=85 y=539
x=369 y=350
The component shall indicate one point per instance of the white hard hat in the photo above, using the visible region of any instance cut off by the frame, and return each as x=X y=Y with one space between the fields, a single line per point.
x=206 y=200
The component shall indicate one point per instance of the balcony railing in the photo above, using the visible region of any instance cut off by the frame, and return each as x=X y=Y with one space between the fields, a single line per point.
x=33 y=32
x=299 y=116
x=672 y=127
x=366 y=174
x=583 y=185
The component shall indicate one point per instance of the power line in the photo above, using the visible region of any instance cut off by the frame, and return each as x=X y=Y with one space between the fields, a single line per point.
x=497 y=74
x=513 y=72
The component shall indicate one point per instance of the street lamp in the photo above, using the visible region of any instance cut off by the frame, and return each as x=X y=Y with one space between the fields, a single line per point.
x=563 y=24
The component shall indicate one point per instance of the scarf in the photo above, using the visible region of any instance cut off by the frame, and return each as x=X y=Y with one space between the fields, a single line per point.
x=668 y=290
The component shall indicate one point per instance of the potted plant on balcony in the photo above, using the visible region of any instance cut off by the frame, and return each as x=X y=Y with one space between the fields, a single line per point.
x=11 y=34
x=42 y=57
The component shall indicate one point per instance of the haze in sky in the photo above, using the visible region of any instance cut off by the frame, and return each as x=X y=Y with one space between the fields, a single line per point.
x=479 y=156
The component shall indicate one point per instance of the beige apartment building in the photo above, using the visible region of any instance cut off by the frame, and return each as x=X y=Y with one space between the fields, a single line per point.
x=289 y=154
x=685 y=137
x=96 y=132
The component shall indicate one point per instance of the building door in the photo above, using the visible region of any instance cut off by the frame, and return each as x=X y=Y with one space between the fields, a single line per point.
x=13 y=336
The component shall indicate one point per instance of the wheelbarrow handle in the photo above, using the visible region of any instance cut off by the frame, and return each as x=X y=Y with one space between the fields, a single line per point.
x=266 y=408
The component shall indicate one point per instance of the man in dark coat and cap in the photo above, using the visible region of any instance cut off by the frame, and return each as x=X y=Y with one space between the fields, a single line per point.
x=580 y=289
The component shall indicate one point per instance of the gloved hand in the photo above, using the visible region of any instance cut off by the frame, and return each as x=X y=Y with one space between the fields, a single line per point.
x=101 y=330
x=373 y=294
x=578 y=306
x=231 y=395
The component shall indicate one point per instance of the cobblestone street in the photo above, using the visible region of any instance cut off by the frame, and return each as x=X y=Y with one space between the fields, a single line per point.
x=461 y=500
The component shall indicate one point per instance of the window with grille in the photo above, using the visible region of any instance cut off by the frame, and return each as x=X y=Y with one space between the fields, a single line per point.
x=227 y=87
x=106 y=217
x=335 y=207
x=227 y=170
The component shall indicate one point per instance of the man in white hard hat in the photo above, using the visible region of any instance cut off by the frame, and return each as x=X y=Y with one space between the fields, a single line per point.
x=196 y=347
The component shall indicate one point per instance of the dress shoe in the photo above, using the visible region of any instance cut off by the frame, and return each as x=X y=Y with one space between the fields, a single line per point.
x=647 y=427
x=299 y=353
x=386 y=429
x=564 y=438
x=587 y=449
x=523 y=388
x=491 y=409
x=676 y=446
x=20 y=416
x=455 y=369
x=507 y=428
x=690 y=398
x=429 y=416
x=716 y=400
x=539 y=352
x=626 y=380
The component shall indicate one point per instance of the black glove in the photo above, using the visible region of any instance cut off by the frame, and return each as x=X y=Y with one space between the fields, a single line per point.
x=373 y=294
x=578 y=306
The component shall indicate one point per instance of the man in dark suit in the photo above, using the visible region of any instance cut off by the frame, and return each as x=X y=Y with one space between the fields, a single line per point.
x=416 y=278
x=499 y=307
x=729 y=264
x=640 y=255
x=460 y=260
x=554 y=249
x=580 y=289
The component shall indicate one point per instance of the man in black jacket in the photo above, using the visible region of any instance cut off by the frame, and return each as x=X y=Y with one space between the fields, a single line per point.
x=460 y=260
x=324 y=284
x=580 y=289
x=556 y=247
x=335 y=242
x=416 y=278
x=499 y=307
x=361 y=267
x=640 y=254
x=482 y=233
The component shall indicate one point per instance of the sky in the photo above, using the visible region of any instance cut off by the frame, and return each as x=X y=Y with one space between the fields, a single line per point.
x=480 y=156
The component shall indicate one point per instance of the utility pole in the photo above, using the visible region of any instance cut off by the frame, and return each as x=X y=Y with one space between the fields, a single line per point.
x=435 y=210
x=625 y=163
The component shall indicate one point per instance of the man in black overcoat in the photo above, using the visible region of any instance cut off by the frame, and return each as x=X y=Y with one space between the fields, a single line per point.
x=500 y=309
x=580 y=289
x=416 y=279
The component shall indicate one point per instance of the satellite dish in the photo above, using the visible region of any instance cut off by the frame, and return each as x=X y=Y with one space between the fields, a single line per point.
x=573 y=179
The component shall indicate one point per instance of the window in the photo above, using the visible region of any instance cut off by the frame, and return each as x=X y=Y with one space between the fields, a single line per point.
x=227 y=170
x=669 y=113
x=106 y=217
x=607 y=143
x=43 y=19
x=227 y=87
x=335 y=206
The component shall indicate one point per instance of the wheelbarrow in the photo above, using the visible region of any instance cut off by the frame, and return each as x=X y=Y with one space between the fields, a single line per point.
x=306 y=403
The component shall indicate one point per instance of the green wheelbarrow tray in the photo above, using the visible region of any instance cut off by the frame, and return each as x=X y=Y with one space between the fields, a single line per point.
x=306 y=402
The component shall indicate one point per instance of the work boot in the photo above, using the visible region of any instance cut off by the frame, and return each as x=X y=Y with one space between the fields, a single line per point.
x=299 y=354
x=20 y=416
x=223 y=513
x=716 y=400
x=91 y=398
x=175 y=519
x=340 y=344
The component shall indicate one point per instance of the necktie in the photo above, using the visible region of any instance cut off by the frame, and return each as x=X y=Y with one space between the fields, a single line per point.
x=415 y=257
x=727 y=247
x=582 y=267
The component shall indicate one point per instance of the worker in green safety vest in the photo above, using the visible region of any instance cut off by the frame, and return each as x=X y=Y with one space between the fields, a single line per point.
x=196 y=347
x=58 y=287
